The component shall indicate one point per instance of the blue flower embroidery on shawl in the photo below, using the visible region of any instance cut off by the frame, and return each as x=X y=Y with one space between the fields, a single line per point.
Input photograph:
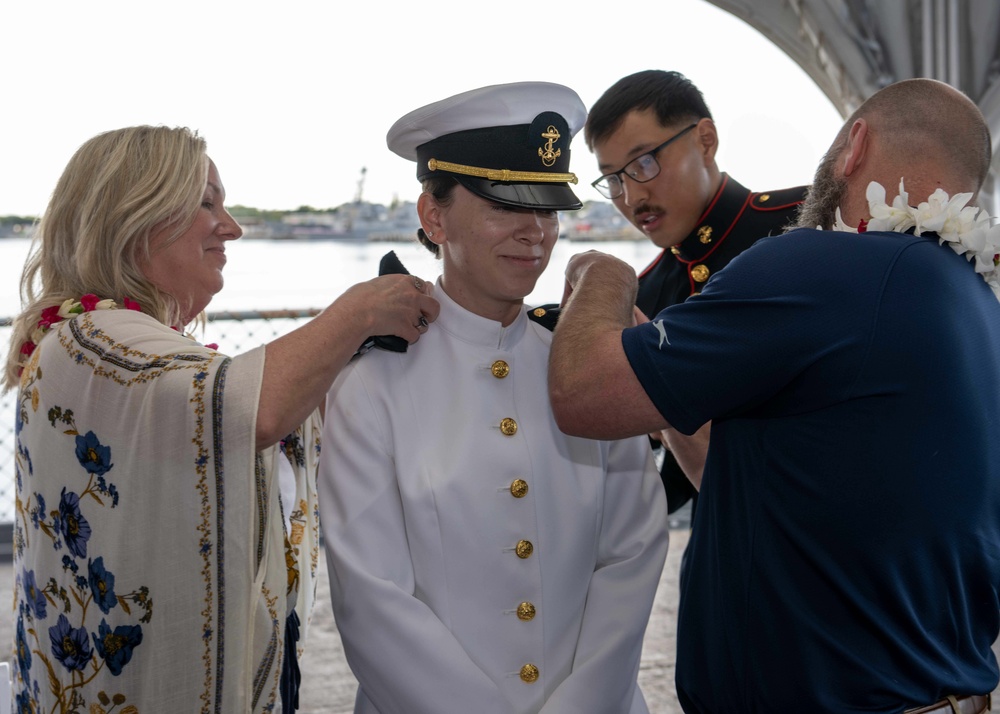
x=70 y=645
x=38 y=512
x=92 y=455
x=34 y=597
x=109 y=489
x=27 y=458
x=294 y=449
x=23 y=650
x=102 y=585
x=115 y=648
x=73 y=526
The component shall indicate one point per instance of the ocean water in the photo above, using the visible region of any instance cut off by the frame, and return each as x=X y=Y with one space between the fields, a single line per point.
x=274 y=275
x=265 y=274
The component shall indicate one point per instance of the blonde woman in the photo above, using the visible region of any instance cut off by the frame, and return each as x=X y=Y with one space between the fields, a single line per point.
x=157 y=566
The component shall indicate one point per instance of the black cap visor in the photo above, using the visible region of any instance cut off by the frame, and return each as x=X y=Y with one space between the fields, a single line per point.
x=543 y=196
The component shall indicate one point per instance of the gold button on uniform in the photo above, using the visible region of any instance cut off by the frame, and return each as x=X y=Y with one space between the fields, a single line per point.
x=500 y=369
x=524 y=549
x=508 y=427
x=539 y=312
x=525 y=611
x=700 y=273
x=529 y=673
x=518 y=488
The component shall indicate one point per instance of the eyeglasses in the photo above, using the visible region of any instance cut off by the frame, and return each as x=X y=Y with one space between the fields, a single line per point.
x=640 y=169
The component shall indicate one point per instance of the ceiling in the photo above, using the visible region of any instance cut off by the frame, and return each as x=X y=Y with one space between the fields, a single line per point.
x=853 y=48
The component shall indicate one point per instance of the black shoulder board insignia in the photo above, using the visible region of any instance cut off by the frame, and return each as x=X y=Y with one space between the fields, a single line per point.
x=781 y=199
x=545 y=315
x=389 y=265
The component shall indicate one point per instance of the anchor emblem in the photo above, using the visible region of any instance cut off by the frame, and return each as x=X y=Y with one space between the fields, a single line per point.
x=548 y=155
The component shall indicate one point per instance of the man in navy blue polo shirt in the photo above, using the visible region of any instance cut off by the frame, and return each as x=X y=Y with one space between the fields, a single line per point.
x=847 y=555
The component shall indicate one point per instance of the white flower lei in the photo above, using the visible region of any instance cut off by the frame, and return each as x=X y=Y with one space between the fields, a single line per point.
x=966 y=229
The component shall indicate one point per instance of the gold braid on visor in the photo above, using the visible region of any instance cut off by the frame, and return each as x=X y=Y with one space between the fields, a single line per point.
x=502 y=175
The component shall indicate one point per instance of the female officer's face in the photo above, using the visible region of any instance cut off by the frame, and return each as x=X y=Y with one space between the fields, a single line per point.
x=493 y=254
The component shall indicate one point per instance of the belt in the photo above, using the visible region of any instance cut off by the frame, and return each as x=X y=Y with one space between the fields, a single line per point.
x=970 y=704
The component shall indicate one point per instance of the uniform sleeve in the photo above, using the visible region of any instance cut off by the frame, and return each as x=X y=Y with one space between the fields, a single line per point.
x=406 y=660
x=632 y=549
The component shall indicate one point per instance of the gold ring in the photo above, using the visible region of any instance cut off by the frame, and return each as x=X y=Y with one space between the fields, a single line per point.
x=418 y=284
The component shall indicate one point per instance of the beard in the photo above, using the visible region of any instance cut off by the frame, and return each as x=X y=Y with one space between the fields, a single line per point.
x=824 y=197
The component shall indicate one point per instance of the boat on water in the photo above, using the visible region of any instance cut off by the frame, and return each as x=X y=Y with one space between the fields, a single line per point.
x=356 y=221
x=362 y=220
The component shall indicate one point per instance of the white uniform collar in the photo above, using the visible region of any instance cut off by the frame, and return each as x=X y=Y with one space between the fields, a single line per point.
x=469 y=327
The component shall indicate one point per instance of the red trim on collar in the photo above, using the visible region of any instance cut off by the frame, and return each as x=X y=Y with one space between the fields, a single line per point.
x=715 y=198
x=729 y=229
x=692 y=284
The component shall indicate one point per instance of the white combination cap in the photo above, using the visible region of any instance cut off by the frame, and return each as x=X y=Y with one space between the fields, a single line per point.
x=507 y=143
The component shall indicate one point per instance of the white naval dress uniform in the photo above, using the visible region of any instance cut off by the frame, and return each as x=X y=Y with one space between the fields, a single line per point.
x=481 y=560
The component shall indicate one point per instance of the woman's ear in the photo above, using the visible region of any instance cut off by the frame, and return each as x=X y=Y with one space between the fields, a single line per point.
x=430 y=214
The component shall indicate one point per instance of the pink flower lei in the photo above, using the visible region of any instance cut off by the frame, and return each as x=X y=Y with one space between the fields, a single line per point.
x=70 y=308
x=55 y=314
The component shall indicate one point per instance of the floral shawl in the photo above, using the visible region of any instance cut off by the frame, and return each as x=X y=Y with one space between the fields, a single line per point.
x=153 y=571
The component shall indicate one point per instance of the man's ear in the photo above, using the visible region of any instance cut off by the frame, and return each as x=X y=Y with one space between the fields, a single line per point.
x=708 y=138
x=857 y=147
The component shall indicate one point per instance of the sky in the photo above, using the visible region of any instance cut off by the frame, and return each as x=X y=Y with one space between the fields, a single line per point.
x=295 y=97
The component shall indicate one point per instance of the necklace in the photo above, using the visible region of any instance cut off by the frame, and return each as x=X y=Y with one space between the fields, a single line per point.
x=965 y=229
x=55 y=314
x=70 y=308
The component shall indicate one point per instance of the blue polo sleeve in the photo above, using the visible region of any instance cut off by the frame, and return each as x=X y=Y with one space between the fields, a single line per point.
x=772 y=316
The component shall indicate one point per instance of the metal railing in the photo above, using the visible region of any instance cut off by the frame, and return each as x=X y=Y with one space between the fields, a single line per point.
x=235 y=332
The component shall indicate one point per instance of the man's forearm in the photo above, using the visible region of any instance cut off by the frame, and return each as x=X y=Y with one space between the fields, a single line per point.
x=689 y=451
x=600 y=304
x=593 y=390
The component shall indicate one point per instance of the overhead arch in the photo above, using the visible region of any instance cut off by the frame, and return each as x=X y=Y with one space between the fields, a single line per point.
x=853 y=48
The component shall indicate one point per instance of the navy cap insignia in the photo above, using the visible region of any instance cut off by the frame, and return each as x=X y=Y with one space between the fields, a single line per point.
x=549 y=155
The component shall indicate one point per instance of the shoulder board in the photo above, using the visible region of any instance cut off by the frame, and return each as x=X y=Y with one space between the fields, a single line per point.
x=780 y=199
x=545 y=315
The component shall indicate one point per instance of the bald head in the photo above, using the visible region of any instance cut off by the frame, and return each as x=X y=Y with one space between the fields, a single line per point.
x=920 y=120
x=920 y=130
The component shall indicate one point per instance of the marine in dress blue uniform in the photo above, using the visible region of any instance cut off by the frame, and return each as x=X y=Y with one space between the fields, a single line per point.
x=734 y=220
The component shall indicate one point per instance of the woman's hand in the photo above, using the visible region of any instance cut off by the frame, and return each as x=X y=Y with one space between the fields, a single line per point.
x=393 y=305
x=300 y=366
